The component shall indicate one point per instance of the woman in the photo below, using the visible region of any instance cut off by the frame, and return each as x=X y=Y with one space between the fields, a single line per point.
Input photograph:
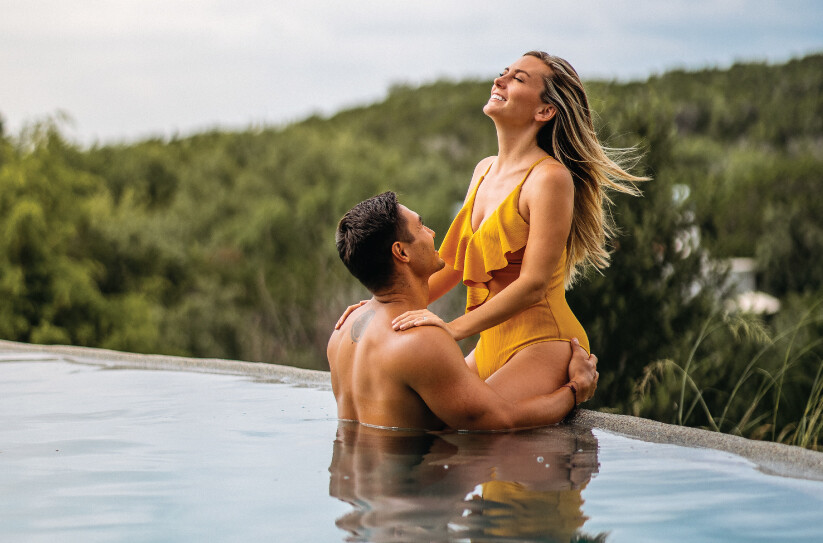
x=533 y=217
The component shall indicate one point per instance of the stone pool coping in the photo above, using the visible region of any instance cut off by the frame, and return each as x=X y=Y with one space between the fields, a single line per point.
x=772 y=458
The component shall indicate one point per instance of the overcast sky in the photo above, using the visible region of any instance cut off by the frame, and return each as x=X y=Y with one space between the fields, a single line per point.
x=129 y=69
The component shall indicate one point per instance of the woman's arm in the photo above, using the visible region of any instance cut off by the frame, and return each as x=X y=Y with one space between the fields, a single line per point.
x=442 y=282
x=547 y=203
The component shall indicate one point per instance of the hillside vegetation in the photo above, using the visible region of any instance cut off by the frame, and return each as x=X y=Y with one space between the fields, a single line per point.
x=221 y=244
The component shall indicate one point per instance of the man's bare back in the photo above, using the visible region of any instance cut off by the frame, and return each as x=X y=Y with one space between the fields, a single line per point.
x=370 y=368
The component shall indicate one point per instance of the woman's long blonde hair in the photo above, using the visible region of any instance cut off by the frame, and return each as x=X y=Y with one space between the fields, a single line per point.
x=570 y=139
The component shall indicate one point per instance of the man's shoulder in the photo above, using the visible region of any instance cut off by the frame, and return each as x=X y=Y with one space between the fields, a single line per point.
x=423 y=345
x=421 y=335
x=354 y=326
x=397 y=352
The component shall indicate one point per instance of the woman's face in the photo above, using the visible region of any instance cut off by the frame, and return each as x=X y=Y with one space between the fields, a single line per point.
x=516 y=92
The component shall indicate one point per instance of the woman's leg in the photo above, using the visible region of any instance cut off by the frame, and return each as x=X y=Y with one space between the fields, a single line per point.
x=471 y=362
x=537 y=369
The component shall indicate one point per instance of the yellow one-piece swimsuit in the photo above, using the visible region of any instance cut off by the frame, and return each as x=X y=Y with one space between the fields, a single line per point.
x=496 y=250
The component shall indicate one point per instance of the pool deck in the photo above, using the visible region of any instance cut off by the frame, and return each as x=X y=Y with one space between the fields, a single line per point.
x=772 y=458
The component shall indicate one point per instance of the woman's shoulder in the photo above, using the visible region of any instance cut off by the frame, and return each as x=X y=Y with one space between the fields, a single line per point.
x=550 y=171
x=483 y=165
x=549 y=180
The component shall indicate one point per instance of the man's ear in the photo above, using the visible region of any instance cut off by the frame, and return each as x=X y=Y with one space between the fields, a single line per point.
x=546 y=113
x=398 y=250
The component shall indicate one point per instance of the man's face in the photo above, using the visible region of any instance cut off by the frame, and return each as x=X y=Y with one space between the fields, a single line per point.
x=421 y=248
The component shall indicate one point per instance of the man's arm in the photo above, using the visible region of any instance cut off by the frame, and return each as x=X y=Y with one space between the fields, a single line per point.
x=434 y=368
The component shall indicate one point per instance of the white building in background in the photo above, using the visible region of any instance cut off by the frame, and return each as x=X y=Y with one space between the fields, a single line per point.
x=742 y=271
x=746 y=297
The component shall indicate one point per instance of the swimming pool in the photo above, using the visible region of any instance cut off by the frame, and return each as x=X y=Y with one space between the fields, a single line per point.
x=101 y=452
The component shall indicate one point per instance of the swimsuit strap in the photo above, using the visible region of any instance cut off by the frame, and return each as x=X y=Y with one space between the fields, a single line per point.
x=530 y=170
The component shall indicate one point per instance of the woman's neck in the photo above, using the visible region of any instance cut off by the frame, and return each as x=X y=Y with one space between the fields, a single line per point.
x=516 y=145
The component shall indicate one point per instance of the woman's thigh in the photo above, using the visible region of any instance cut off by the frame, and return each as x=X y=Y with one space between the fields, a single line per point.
x=471 y=363
x=538 y=369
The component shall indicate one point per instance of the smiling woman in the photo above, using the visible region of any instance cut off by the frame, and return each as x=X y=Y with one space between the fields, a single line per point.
x=534 y=217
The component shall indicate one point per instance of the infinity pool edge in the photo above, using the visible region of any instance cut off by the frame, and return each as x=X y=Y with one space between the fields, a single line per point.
x=772 y=458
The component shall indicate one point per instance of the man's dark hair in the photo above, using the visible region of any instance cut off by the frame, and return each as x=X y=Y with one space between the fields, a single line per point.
x=365 y=236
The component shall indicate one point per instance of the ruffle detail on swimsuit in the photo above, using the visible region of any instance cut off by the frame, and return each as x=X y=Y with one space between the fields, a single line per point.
x=479 y=254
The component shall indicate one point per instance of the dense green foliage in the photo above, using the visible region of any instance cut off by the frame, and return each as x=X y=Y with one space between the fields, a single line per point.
x=743 y=377
x=221 y=244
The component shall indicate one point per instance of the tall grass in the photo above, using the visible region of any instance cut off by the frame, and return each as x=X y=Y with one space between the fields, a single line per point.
x=744 y=376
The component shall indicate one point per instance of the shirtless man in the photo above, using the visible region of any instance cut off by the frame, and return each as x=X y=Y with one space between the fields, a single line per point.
x=418 y=378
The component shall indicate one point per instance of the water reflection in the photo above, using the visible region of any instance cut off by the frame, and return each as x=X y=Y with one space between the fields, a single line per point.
x=416 y=486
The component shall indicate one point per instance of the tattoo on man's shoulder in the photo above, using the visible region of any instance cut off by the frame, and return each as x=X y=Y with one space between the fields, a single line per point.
x=360 y=325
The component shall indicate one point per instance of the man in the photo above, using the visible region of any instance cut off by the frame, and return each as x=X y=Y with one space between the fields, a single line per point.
x=418 y=378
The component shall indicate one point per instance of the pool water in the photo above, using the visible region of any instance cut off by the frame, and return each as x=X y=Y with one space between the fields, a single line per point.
x=91 y=453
